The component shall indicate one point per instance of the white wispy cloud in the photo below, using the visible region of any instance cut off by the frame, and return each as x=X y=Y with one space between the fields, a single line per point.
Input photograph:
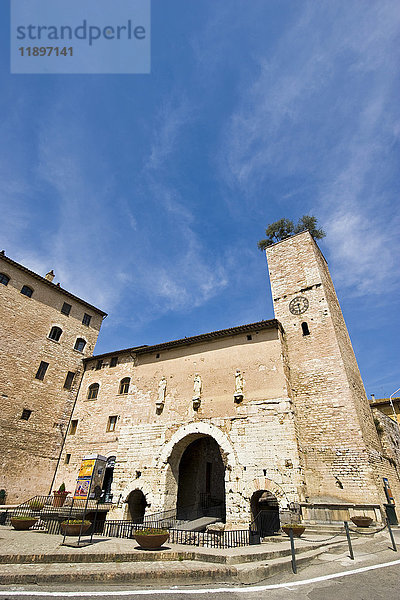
x=323 y=107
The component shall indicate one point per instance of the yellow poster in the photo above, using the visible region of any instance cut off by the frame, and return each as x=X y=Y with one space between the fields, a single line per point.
x=87 y=467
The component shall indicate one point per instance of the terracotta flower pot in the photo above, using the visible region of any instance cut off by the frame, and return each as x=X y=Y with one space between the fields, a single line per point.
x=23 y=524
x=151 y=541
x=361 y=521
x=59 y=498
x=298 y=530
x=73 y=528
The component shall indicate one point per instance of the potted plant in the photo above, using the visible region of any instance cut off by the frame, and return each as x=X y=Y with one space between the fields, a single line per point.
x=74 y=526
x=36 y=505
x=22 y=523
x=151 y=539
x=59 y=496
x=296 y=528
x=361 y=521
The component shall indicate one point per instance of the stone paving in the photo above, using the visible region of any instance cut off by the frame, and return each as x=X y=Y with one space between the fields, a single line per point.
x=34 y=557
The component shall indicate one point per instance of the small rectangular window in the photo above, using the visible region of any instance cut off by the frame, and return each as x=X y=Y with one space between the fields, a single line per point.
x=26 y=291
x=67 y=459
x=26 y=413
x=73 y=427
x=114 y=361
x=66 y=308
x=86 y=319
x=112 y=422
x=249 y=337
x=41 y=372
x=99 y=364
x=69 y=380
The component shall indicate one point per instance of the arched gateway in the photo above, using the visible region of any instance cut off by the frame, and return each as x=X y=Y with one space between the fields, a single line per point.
x=201 y=481
x=197 y=463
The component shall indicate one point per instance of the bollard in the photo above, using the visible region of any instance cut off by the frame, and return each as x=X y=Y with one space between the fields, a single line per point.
x=346 y=526
x=391 y=535
x=292 y=549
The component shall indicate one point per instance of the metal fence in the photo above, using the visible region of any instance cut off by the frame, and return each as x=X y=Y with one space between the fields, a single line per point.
x=50 y=514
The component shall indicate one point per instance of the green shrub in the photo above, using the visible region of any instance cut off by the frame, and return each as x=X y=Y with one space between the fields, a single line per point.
x=75 y=522
x=151 y=531
x=22 y=518
x=36 y=504
x=62 y=487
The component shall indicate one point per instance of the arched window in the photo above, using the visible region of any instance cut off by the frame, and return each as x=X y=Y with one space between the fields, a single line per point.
x=55 y=333
x=4 y=279
x=93 y=390
x=305 y=329
x=124 y=385
x=80 y=344
x=26 y=291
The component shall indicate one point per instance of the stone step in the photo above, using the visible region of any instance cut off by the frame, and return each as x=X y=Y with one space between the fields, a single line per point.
x=197 y=524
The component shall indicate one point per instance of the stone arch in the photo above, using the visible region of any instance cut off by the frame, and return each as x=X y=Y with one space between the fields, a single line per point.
x=172 y=452
x=191 y=430
x=264 y=483
x=136 y=485
x=137 y=504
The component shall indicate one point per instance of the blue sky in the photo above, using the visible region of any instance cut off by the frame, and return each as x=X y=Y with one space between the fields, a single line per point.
x=147 y=193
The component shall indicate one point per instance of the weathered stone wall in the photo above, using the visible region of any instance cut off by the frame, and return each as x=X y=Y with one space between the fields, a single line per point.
x=338 y=442
x=29 y=449
x=256 y=436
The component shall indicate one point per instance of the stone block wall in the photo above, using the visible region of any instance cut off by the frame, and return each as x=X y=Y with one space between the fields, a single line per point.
x=338 y=442
x=256 y=436
x=29 y=449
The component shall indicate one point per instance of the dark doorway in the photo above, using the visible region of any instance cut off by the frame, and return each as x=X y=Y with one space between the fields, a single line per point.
x=137 y=506
x=108 y=478
x=265 y=513
x=201 y=483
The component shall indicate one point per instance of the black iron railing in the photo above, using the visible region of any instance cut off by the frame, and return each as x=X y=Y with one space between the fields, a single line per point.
x=49 y=516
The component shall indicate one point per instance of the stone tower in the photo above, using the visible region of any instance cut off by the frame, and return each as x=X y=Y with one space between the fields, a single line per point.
x=338 y=442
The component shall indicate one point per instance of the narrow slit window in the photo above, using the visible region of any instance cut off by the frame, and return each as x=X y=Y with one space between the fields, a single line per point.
x=114 y=361
x=73 y=427
x=41 y=372
x=69 y=380
x=304 y=327
x=67 y=459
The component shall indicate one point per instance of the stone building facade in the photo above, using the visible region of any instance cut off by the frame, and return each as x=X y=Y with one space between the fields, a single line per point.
x=45 y=332
x=275 y=409
x=271 y=416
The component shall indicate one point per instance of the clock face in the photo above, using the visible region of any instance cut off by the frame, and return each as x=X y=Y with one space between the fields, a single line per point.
x=298 y=305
